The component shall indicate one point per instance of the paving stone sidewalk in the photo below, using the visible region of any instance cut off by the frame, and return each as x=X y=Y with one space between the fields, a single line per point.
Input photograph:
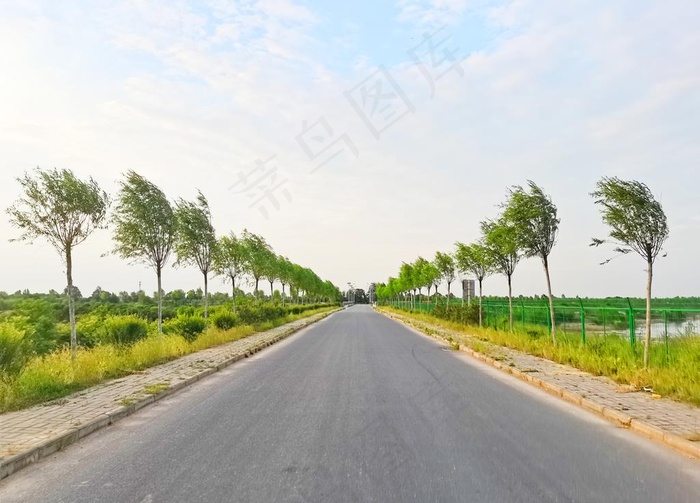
x=33 y=433
x=662 y=419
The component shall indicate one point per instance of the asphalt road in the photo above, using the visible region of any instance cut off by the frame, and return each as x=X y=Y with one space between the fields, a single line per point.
x=359 y=408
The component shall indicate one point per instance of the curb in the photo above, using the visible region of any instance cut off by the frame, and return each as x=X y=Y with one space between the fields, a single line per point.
x=18 y=461
x=680 y=444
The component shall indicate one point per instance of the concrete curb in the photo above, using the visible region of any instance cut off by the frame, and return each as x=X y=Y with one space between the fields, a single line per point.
x=18 y=461
x=639 y=426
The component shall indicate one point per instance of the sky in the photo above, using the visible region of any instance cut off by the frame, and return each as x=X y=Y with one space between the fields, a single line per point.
x=355 y=136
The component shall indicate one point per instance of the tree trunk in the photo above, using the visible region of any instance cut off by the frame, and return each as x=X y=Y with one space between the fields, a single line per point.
x=481 y=297
x=436 y=293
x=647 y=331
x=448 y=294
x=271 y=291
x=71 y=302
x=510 y=303
x=206 y=296
x=283 y=294
x=233 y=291
x=545 y=262
x=159 y=273
x=257 y=279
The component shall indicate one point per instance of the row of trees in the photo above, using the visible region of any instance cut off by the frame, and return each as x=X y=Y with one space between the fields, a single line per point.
x=148 y=228
x=526 y=227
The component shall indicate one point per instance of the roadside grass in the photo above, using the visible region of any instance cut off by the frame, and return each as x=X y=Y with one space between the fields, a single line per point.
x=674 y=373
x=55 y=375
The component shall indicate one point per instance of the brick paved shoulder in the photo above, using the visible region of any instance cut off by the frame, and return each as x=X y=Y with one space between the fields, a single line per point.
x=674 y=423
x=32 y=433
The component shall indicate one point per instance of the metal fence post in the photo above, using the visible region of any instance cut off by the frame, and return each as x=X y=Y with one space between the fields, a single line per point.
x=668 y=354
x=583 y=322
x=631 y=323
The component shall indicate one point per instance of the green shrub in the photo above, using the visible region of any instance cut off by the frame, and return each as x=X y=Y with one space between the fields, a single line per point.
x=15 y=349
x=225 y=321
x=190 y=326
x=123 y=330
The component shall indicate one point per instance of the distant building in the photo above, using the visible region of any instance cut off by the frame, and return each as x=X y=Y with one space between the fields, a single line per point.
x=468 y=289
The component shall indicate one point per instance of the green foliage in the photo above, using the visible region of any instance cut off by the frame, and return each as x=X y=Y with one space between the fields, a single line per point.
x=636 y=219
x=474 y=259
x=501 y=241
x=123 y=330
x=55 y=375
x=225 y=321
x=230 y=259
x=15 y=349
x=188 y=327
x=196 y=239
x=144 y=226
x=58 y=207
x=609 y=356
x=534 y=217
x=64 y=210
x=466 y=314
x=37 y=318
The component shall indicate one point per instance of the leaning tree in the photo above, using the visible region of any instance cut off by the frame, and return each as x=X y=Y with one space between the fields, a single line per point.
x=534 y=216
x=501 y=240
x=144 y=227
x=64 y=210
x=637 y=224
x=196 y=239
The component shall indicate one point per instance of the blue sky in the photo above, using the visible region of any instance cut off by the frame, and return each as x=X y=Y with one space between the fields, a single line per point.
x=190 y=94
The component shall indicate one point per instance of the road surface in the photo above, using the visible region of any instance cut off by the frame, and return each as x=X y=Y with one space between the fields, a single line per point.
x=358 y=408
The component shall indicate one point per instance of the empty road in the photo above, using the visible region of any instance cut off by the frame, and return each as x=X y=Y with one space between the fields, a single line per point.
x=358 y=408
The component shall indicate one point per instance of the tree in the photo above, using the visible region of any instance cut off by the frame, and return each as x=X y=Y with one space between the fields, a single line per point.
x=637 y=223
x=196 y=239
x=534 y=216
x=144 y=228
x=445 y=264
x=422 y=276
x=407 y=280
x=231 y=261
x=501 y=240
x=64 y=210
x=285 y=273
x=272 y=270
x=475 y=259
x=431 y=276
x=257 y=251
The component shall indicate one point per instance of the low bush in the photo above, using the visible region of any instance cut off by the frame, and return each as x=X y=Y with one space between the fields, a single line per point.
x=15 y=349
x=123 y=330
x=189 y=326
x=225 y=321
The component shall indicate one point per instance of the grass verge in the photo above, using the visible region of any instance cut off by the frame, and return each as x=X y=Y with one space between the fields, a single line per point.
x=674 y=373
x=56 y=375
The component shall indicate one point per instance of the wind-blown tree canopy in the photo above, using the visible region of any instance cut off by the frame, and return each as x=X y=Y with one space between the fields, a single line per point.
x=272 y=270
x=534 y=216
x=477 y=260
x=64 y=210
x=196 y=239
x=144 y=227
x=445 y=265
x=637 y=224
x=258 y=252
x=501 y=240
x=230 y=261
